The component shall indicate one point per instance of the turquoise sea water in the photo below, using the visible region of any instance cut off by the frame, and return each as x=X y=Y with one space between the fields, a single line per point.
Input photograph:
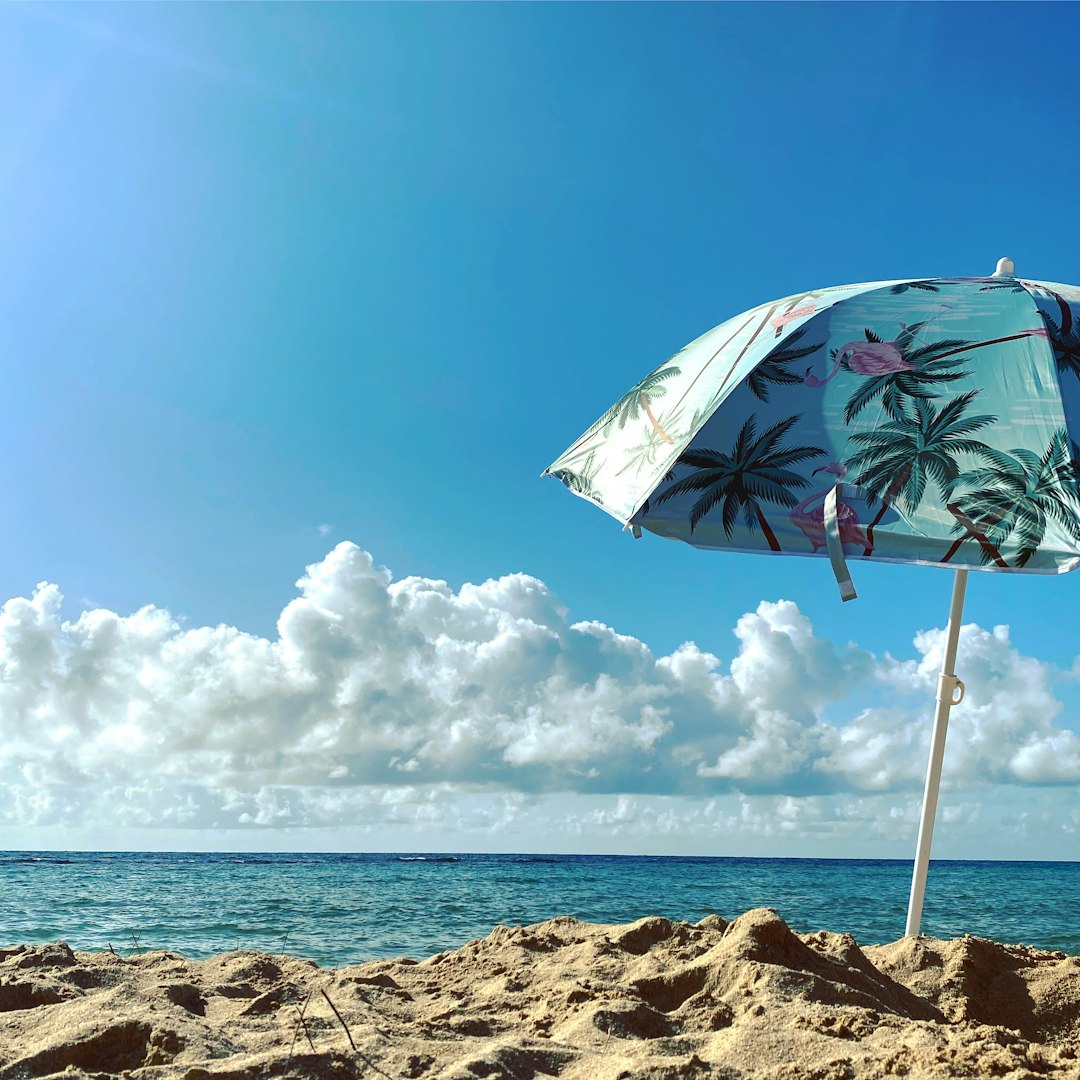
x=340 y=909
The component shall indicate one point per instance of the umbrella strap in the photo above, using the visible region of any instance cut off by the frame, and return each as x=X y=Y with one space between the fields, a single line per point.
x=835 y=547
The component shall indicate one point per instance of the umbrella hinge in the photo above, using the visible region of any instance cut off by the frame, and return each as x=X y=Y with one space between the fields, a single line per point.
x=950 y=689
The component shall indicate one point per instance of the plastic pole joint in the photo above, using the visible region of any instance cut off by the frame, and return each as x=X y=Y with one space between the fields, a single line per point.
x=950 y=689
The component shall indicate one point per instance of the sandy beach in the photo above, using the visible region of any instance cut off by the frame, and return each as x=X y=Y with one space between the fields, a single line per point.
x=651 y=1000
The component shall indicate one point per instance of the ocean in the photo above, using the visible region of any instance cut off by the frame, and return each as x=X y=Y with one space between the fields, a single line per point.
x=346 y=908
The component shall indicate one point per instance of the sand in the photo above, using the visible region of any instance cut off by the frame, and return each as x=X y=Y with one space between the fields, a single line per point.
x=652 y=1000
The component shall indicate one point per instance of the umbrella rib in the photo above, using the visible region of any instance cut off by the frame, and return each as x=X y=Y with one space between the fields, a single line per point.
x=708 y=363
x=742 y=352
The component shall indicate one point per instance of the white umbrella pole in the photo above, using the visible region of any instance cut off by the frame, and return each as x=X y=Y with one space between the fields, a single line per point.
x=950 y=692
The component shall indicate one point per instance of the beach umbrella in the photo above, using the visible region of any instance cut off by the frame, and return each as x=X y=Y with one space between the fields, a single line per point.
x=927 y=421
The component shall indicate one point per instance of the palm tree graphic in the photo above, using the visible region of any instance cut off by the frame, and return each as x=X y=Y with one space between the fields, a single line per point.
x=757 y=470
x=774 y=369
x=1062 y=303
x=1066 y=342
x=899 y=458
x=646 y=453
x=638 y=400
x=918 y=370
x=1015 y=497
x=904 y=370
x=582 y=480
x=903 y=287
x=653 y=446
x=1012 y=285
x=1064 y=336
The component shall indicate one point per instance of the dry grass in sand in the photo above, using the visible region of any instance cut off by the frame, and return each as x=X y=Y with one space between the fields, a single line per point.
x=652 y=1000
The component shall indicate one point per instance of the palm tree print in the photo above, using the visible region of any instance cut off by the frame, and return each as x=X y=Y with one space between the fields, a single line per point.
x=582 y=481
x=1015 y=497
x=898 y=459
x=903 y=287
x=901 y=374
x=774 y=369
x=1066 y=343
x=1062 y=303
x=1064 y=336
x=652 y=448
x=757 y=470
x=646 y=452
x=665 y=479
x=897 y=371
x=897 y=389
x=639 y=400
x=989 y=552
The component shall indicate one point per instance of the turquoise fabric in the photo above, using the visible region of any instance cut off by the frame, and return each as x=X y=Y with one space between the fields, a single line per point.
x=947 y=408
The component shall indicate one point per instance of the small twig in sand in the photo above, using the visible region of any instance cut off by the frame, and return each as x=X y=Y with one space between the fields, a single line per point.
x=296 y=1031
x=302 y=1023
x=348 y=1033
x=135 y=939
x=284 y=939
x=288 y=1060
x=112 y=950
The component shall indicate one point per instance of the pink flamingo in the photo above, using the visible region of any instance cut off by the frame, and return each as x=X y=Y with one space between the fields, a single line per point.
x=886 y=357
x=780 y=321
x=868 y=358
x=812 y=522
x=875 y=357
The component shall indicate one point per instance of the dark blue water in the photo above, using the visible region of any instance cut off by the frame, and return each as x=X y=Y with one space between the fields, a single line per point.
x=340 y=909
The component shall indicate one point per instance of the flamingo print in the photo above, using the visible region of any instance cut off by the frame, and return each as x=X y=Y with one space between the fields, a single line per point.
x=875 y=357
x=796 y=309
x=812 y=521
x=780 y=321
x=870 y=357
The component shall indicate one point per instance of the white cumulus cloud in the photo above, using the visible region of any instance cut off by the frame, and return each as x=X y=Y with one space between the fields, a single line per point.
x=381 y=703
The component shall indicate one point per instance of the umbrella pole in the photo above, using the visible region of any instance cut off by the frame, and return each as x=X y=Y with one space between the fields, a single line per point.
x=950 y=692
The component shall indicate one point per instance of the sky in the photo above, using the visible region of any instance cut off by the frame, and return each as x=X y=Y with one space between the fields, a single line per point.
x=298 y=302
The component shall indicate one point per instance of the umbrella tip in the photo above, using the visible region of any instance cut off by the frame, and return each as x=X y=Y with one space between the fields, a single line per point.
x=1005 y=268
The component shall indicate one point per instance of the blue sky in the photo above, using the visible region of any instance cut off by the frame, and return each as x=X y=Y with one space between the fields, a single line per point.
x=369 y=268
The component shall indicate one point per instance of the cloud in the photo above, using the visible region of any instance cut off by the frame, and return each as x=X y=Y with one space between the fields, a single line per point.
x=382 y=703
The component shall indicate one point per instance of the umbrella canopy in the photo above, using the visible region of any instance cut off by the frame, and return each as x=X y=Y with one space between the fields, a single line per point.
x=946 y=408
x=929 y=421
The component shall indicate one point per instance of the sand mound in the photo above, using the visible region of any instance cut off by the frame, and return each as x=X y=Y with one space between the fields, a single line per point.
x=654 y=1000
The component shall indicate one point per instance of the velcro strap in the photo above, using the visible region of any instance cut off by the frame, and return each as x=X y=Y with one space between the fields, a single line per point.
x=835 y=547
